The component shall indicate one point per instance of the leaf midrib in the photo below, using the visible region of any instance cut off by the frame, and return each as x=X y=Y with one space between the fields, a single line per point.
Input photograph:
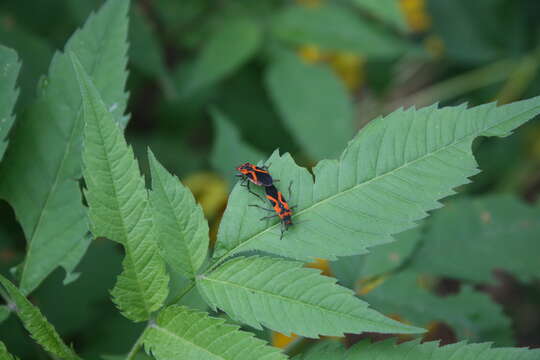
x=293 y=300
x=323 y=201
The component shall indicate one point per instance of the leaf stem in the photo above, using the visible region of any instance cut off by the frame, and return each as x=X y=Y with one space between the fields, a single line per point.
x=183 y=293
x=139 y=343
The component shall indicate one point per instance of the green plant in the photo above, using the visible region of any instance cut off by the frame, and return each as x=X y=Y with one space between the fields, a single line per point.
x=361 y=211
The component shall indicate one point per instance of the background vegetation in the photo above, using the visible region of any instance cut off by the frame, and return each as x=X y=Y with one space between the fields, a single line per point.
x=213 y=84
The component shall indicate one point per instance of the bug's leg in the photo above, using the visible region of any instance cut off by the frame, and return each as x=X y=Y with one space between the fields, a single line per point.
x=282 y=231
x=290 y=192
x=268 y=217
x=254 y=193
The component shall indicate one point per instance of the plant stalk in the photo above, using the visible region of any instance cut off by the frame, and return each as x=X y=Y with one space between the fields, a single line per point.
x=183 y=293
x=138 y=344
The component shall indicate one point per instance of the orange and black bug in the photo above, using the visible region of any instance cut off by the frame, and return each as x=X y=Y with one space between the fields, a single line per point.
x=279 y=206
x=255 y=174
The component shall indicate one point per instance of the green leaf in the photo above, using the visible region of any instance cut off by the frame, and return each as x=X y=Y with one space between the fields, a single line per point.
x=470 y=238
x=9 y=69
x=390 y=174
x=412 y=350
x=194 y=335
x=229 y=150
x=320 y=121
x=285 y=297
x=119 y=207
x=473 y=315
x=41 y=169
x=388 y=11
x=4 y=354
x=380 y=260
x=182 y=230
x=36 y=324
x=226 y=50
x=324 y=350
x=335 y=28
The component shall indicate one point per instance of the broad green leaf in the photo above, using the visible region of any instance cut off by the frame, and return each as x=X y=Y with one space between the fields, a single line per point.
x=412 y=350
x=324 y=350
x=473 y=315
x=388 y=11
x=229 y=150
x=9 y=69
x=380 y=260
x=46 y=195
x=4 y=354
x=180 y=332
x=181 y=229
x=36 y=324
x=336 y=28
x=119 y=207
x=285 y=297
x=393 y=172
x=470 y=238
x=313 y=104
x=226 y=50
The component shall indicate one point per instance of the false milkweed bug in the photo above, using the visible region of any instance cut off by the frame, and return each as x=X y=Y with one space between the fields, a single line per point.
x=279 y=206
x=255 y=174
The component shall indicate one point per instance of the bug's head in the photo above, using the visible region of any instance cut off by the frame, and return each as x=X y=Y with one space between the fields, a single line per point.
x=245 y=168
